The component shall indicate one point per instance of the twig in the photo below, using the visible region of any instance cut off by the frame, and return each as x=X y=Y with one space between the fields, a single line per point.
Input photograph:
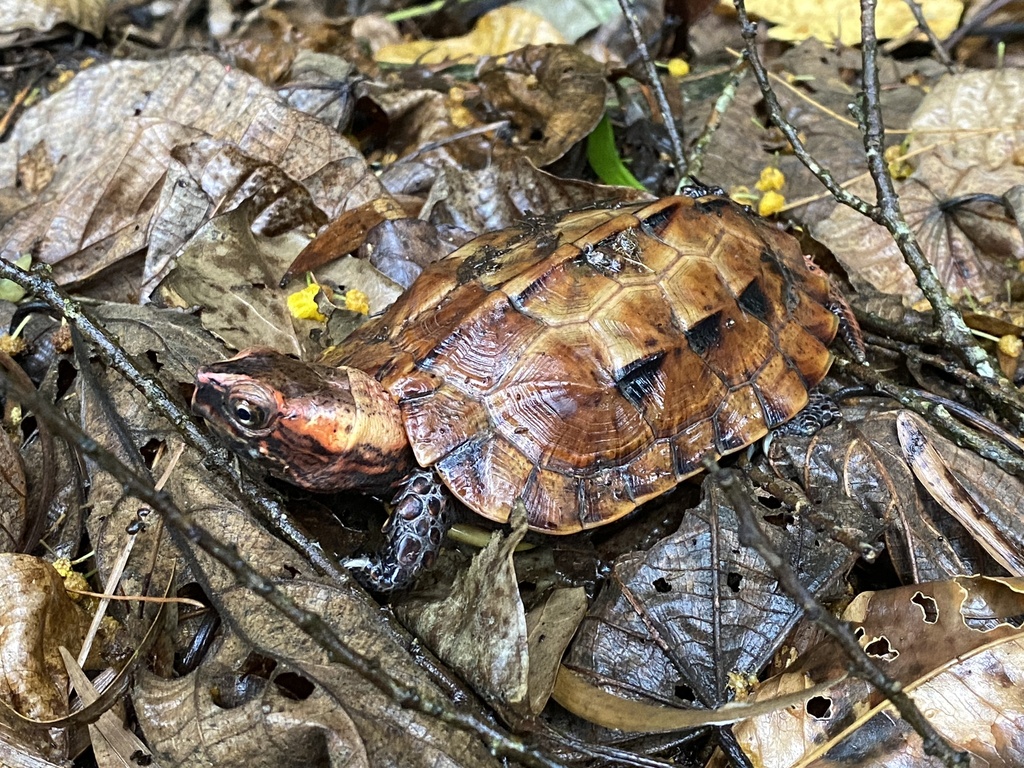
x=938 y=415
x=967 y=378
x=922 y=22
x=695 y=162
x=751 y=535
x=187 y=532
x=887 y=212
x=161 y=401
x=969 y=27
x=749 y=32
x=679 y=156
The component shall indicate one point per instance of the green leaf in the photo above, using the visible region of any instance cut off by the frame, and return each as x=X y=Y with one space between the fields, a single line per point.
x=604 y=157
x=11 y=291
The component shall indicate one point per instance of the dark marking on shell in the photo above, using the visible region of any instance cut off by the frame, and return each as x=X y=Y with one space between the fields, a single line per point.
x=486 y=259
x=656 y=223
x=638 y=380
x=713 y=205
x=706 y=334
x=754 y=302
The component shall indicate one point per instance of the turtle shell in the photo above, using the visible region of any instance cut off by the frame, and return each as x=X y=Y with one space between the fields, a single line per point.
x=590 y=363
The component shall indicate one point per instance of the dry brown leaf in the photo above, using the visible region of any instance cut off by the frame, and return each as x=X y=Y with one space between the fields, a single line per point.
x=507 y=191
x=955 y=645
x=478 y=626
x=983 y=498
x=814 y=90
x=549 y=628
x=267 y=696
x=110 y=136
x=112 y=741
x=553 y=96
x=43 y=15
x=673 y=623
x=238 y=711
x=38 y=618
x=343 y=235
x=13 y=493
x=833 y=21
x=499 y=31
x=976 y=122
x=858 y=462
x=234 y=274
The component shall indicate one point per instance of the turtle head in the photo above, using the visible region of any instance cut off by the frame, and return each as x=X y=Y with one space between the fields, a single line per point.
x=321 y=428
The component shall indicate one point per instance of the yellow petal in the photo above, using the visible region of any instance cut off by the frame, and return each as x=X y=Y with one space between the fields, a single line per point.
x=302 y=304
x=771 y=202
x=357 y=301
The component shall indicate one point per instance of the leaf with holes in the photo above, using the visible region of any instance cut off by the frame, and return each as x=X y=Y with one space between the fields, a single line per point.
x=956 y=646
x=676 y=621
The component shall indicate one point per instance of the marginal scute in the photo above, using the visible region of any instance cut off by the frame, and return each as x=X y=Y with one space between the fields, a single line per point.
x=651 y=473
x=691 y=446
x=485 y=474
x=739 y=421
x=588 y=363
x=552 y=501
x=441 y=421
x=781 y=390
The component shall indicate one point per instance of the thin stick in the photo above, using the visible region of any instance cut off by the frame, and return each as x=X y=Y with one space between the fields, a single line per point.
x=186 y=533
x=751 y=535
x=679 y=156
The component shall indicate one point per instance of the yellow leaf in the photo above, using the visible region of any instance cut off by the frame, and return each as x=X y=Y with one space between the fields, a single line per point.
x=497 y=32
x=834 y=21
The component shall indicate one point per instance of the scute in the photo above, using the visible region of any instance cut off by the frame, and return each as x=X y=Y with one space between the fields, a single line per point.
x=589 y=363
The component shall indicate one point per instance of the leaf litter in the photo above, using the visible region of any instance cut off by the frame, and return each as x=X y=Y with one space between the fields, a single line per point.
x=195 y=183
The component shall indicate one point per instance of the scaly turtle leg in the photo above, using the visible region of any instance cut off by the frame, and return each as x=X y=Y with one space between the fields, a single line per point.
x=821 y=410
x=421 y=514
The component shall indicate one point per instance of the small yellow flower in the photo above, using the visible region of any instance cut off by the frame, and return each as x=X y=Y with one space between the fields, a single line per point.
x=899 y=168
x=302 y=304
x=678 y=68
x=357 y=301
x=771 y=202
x=772 y=180
x=63 y=566
x=460 y=116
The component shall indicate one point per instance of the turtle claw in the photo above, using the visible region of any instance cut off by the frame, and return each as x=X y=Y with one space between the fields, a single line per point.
x=372 y=574
x=421 y=515
x=698 y=189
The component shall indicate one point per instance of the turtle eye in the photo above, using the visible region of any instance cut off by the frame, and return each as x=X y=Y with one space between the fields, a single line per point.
x=250 y=409
x=247 y=414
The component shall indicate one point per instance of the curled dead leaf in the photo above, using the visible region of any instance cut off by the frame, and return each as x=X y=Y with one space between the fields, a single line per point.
x=499 y=31
x=972 y=125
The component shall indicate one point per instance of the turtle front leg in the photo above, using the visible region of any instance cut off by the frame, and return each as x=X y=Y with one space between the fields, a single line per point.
x=421 y=515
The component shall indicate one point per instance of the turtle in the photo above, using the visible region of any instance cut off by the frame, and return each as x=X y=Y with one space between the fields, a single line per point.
x=582 y=364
